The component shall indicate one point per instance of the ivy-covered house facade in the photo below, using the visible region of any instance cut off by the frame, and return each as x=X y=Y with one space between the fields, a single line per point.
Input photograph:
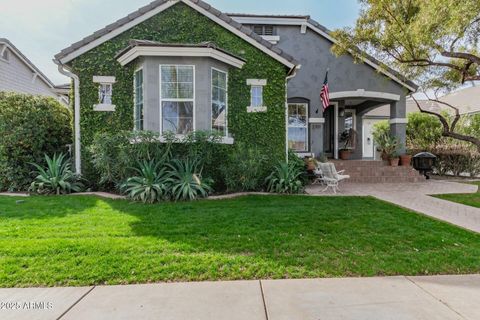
x=182 y=66
x=179 y=66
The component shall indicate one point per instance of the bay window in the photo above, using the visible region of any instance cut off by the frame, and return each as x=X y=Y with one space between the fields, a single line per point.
x=298 y=126
x=177 y=98
x=219 y=101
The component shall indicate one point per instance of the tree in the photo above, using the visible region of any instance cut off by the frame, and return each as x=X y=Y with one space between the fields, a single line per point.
x=435 y=42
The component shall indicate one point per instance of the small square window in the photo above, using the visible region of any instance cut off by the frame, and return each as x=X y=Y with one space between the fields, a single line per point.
x=256 y=96
x=105 y=93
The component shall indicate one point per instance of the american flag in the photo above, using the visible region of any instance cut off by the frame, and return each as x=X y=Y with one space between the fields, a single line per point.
x=325 y=94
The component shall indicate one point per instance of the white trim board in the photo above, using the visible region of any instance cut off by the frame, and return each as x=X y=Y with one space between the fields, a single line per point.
x=150 y=51
x=398 y=121
x=112 y=34
x=364 y=94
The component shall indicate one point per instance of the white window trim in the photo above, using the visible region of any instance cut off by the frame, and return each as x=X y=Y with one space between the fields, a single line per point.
x=177 y=100
x=104 y=79
x=307 y=147
x=135 y=97
x=211 y=100
x=257 y=83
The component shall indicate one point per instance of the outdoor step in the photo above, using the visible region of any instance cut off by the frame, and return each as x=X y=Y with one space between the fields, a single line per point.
x=368 y=171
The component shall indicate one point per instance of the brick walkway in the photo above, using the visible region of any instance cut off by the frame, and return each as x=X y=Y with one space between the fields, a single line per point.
x=416 y=197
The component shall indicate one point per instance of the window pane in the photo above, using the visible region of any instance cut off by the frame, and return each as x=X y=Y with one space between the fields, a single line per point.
x=177 y=117
x=219 y=101
x=298 y=127
x=257 y=96
x=105 y=93
x=177 y=82
x=297 y=138
x=139 y=100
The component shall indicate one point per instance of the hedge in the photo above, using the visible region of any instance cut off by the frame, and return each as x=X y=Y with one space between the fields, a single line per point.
x=30 y=127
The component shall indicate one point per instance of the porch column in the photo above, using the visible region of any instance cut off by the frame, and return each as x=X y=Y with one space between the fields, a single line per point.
x=398 y=122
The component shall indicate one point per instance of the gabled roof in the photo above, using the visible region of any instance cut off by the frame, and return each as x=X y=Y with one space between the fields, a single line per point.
x=326 y=33
x=25 y=60
x=148 y=11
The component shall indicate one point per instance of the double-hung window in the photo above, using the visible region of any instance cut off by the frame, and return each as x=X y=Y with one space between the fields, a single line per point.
x=177 y=98
x=219 y=102
x=298 y=126
x=138 y=115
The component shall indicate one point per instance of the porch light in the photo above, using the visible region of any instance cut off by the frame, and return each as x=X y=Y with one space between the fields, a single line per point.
x=424 y=162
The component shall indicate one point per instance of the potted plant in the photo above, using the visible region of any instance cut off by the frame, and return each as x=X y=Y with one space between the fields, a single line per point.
x=394 y=160
x=311 y=163
x=406 y=159
x=391 y=147
x=346 y=138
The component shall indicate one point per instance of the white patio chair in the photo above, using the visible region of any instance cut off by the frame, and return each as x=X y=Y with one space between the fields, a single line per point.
x=329 y=176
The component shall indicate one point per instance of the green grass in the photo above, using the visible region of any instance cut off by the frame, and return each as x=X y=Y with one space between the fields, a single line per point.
x=49 y=241
x=472 y=199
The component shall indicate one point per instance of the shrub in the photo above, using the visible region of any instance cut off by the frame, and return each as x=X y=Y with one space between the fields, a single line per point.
x=185 y=180
x=285 y=178
x=56 y=178
x=114 y=155
x=30 y=127
x=149 y=186
x=424 y=131
x=243 y=168
x=457 y=161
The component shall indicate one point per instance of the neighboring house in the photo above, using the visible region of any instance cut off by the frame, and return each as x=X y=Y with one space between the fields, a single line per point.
x=467 y=101
x=182 y=65
x=19 y=74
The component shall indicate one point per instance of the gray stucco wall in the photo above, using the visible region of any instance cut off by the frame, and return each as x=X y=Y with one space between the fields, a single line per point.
x=314 y=53
x=151 y=74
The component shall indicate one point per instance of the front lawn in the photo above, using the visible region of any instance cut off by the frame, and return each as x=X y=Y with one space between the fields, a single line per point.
x=471 y=199
x=47 y=241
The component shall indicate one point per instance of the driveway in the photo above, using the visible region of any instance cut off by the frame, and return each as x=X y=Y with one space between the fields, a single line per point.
x=416 y=197
x=402 y=298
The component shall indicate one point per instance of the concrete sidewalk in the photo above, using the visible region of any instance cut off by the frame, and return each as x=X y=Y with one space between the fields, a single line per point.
x=403 y=298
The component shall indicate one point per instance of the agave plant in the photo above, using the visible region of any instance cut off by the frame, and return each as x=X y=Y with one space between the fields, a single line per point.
x=186 y=182
x=56 y=178
x=149 y=186
x=285 y=178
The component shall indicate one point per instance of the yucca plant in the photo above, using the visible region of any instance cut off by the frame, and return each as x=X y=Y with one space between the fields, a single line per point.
x=149 y=186
x=285 y=178
x=185 y=180
x=56 y=178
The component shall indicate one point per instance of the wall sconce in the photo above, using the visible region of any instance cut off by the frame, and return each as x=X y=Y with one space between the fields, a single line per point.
x=341 y=113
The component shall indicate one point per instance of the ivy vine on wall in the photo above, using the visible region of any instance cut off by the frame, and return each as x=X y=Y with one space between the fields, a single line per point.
x=182 y=24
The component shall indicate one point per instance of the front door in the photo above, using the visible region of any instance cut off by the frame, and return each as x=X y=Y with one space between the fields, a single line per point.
x=368 y=143
x=329 y=132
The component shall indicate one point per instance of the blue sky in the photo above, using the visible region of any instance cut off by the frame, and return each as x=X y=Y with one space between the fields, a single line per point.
x=41 y=28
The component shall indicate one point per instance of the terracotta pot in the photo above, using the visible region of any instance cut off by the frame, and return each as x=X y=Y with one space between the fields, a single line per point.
x=384 y=156
x=405 y=160
x=345 y=154
x=394 y=162
x=311 y=165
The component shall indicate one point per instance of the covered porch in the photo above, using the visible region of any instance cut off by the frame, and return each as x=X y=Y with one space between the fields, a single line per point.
x=347 y=113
